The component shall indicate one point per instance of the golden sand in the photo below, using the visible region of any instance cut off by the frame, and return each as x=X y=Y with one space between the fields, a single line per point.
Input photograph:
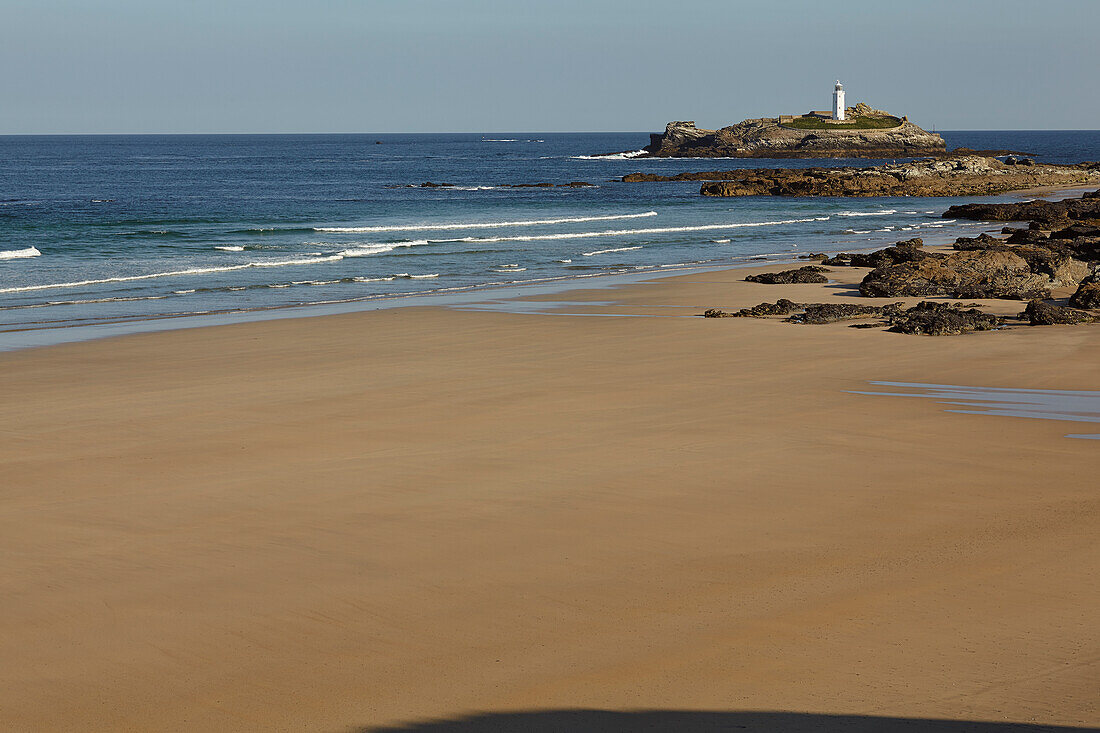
x=360 y=520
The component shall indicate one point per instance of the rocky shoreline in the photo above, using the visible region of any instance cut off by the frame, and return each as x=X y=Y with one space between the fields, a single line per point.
x=970 y=175
x=1058 y=251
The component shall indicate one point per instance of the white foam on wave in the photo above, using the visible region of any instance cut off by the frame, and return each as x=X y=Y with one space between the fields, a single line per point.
x=482 y=224
x=365 y=250
x=230 y=248
x=510 y=269
x=19 y=254
x=407 y=276
x=607 y=251
x=171 y=273
x=499 y=140
x=629 y=232
x=614 y=156
x=884 y=212
x=720 y=241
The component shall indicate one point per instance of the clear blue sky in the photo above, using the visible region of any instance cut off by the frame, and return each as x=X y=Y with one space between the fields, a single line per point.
x=139 y=66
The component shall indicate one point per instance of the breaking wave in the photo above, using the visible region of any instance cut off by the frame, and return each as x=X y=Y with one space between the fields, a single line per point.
x=19 y=254
x=171 y=273
x=885 y=212
x=608 y=251
x=629 y=232
x=614 y=156
x=482 y=224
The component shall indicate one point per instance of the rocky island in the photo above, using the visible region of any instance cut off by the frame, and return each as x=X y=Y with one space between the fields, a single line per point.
x=866 y=133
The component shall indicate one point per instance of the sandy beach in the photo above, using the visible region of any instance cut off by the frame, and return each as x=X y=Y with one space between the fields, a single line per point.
x=367 y=520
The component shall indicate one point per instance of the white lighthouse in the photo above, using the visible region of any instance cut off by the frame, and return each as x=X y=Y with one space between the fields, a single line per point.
x=838 y=101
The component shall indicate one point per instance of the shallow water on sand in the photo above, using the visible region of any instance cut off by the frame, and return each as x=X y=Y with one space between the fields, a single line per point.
x=1043 y=404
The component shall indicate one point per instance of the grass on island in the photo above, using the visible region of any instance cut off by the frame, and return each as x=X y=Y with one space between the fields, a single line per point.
x=859 y=123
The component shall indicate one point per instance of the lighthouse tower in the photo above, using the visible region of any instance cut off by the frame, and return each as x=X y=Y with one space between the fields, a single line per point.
x=838 y=101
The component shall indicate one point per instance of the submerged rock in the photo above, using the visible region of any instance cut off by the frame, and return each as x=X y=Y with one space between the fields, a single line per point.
x=1039 y=313
x=942 y=319
x=807 y=274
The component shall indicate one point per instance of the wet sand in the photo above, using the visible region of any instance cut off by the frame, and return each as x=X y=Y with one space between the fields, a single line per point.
x=373 y=519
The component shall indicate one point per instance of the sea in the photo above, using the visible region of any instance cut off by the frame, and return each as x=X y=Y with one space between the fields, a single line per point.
x=137 y=232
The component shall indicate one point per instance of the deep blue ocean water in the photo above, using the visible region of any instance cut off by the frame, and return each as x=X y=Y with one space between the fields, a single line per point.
x=100 y=229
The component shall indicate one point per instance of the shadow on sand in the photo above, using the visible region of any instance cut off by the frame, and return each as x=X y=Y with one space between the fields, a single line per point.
x=668 y=721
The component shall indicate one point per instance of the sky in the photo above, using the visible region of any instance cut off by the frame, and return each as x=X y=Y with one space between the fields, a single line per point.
x=251 y=66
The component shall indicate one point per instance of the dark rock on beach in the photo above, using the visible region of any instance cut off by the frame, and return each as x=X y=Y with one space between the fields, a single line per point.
x=980 y=274
x=907 y=251
x=780 y=307
x=1088 y=293
x=942 y=319
x=821 y=313
x=807 y=274
x=1040 y=313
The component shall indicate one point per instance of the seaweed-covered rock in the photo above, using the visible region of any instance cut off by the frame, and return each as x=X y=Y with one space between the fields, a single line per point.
x=715 y=313
x=807 y=274
x=982 y=241
x=907 y=251
x=820 y=313
x=780 y=307
x=1039 y=313
x=1088 y=293
x=841 y=259
x=978 y=274
x=942 y=319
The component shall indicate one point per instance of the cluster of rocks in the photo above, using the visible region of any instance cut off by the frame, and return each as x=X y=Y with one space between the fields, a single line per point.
x=934 y=319
x=1043 y=215
x=1025 y=266
x=767 y=138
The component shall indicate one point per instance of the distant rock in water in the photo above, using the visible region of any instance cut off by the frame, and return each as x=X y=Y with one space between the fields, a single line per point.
x=866 y=134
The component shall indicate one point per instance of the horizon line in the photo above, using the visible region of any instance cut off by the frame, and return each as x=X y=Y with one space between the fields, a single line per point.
x=466 y=132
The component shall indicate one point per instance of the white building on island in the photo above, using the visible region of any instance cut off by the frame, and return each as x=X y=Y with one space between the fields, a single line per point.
x=838 y=101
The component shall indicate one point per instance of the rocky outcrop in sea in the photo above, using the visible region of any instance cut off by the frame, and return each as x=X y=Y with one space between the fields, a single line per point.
x=965 y=176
